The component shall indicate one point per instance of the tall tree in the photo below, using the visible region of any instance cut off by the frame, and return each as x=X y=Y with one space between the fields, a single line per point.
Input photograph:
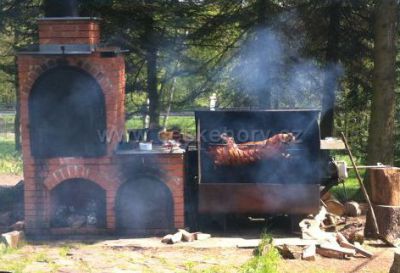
x=18 y=30
x=381 y=127
x=331 y=75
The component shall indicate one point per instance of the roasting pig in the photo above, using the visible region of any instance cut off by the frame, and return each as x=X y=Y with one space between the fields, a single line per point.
x=233 y=154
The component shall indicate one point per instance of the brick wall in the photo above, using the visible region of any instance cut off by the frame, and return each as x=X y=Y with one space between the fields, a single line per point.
x=67 y=31
x=43 y=175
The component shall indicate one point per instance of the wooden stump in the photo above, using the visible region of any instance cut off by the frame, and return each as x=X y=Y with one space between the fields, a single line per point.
x=395 y=268
x=388 y=218
x=385 y=186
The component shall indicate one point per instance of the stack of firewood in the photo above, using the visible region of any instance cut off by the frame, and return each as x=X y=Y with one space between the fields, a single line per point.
x=184 y=236
x=315 y=239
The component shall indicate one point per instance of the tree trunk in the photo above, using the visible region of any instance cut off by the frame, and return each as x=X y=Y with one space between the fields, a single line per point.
x=154 y=98
x=264 y=94
x=17 y=126
x=381 y=127
x=150 y=44
x=331 y=74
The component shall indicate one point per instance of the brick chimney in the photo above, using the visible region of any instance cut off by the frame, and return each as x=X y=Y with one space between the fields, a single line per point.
x=69 y=30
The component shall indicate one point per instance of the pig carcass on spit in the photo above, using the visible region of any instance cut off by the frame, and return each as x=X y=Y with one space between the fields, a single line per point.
x=232 y=154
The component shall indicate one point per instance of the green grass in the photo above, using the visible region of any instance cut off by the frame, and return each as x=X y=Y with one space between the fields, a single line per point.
x=10 y=160
x=351 y=189
x=266 y=259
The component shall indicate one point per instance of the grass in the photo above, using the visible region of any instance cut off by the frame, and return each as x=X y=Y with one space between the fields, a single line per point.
x=266 y=259
x=351 y=188
x=10 y=160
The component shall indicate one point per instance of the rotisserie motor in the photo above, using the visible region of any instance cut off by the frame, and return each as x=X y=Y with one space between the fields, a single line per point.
x=233 y=154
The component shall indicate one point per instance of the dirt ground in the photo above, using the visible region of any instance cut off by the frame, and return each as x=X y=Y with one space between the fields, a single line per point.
x=9 y=180
x=218 y=254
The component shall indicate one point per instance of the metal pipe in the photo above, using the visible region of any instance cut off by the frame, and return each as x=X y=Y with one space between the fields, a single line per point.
x=61 y=8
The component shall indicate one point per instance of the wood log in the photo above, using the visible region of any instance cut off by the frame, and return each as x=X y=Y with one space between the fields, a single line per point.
x=177 y=237
x=352 y=209
x=388 y=218
x=187 y=236
x=331 y=250
x=200 y=236
x=290 y=252
x=250 y=243
x=395 y=268
x=167 y=239
x=293 y=242
x=309 y=253
x=13 y=239
x=385 y=186
x=357 y=247
x=335 y=207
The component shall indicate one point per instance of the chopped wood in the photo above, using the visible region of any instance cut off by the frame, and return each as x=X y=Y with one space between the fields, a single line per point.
x=309 y=253
x=320 y=217
x=343 y=242
x=201 y=236
x=293 y=242
x=310 y=230
x=187 y=236
x=328 y=253
x=13 y=239
x=251 y=243
x=334 y=250
x=326 y=196
x=177 y=237
x=395 y=268
x=167 y=239
x=335 y=207
x=338 y=248
x=352 y=209
x=362 y=251
x=290 y=252
x=353 y=232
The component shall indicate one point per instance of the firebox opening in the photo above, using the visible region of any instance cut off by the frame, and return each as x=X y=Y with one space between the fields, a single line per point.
x=77 y=203
x=67 y=114
x=144 y=204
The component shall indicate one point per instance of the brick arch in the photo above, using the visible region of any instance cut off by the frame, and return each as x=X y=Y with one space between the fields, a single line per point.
x=168 y=208
x=75 y=172
x=36 y=70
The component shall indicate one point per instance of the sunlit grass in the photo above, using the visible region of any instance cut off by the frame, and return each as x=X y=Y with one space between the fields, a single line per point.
x=10 y=160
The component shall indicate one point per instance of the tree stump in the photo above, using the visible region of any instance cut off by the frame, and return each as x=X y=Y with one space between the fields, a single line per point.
x=385 y=195
x=388 y=218
x=385 y=186
x=395 y=268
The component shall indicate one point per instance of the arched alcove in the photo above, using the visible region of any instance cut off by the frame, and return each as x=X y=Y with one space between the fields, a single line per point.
x=78 y=203
x=144 y=204
x=67 y=114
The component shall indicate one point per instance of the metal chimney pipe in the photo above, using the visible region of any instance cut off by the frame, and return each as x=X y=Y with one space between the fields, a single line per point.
x=61 y=8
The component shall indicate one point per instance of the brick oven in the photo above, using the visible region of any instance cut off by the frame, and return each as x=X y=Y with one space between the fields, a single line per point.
x=72 y=111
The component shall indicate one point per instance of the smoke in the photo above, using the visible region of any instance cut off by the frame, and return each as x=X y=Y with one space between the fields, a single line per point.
x=271 y=68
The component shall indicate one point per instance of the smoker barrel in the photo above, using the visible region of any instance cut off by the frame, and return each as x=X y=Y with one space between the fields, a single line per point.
x=269 y=184
x=61 y=8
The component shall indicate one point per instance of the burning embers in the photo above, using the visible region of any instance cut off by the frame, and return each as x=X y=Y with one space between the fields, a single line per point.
x=232 y=154
x=78 y=203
